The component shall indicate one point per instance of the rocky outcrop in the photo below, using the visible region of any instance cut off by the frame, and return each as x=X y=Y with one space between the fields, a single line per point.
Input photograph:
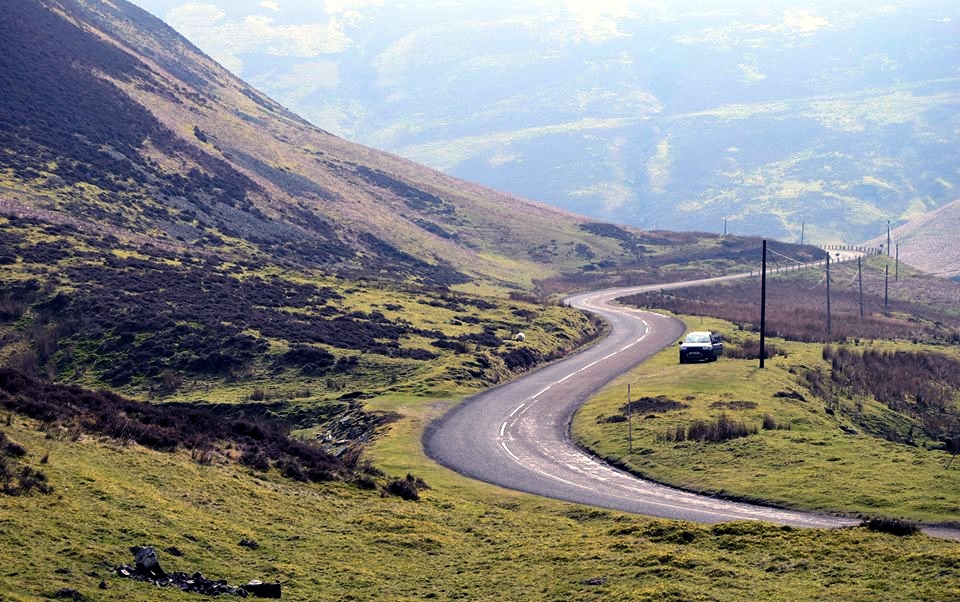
x=147 y=568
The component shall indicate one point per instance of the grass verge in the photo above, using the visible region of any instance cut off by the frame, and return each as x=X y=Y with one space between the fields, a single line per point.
x=814 y=453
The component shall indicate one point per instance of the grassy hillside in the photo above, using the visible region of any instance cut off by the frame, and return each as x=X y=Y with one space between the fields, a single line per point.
x=867 y=424
x=461 y=539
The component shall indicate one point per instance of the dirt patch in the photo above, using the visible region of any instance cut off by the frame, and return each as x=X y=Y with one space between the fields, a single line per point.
x=653 y=405
x=733 y=405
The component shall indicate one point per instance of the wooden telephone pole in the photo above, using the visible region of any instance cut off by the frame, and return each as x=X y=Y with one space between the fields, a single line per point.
x=860 y=278
x=886 y=284
x=763 y=302
x=896 y=270
x=829 y=320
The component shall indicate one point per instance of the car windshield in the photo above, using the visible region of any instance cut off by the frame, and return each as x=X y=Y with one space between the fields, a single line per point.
x=698 y=337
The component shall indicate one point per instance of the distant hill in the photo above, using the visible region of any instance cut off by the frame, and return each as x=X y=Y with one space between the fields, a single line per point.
x=671 y=115
x=930 y=242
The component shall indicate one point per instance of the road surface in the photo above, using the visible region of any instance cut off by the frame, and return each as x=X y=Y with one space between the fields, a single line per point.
x=518 y=435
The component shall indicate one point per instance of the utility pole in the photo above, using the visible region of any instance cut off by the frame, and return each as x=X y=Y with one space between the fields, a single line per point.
x=886 y=284
x=860 y=278
x=802 y=224
x=763 y=302
x=829 y=321
x=888 y=238
x=629 y=422
x=896 y=271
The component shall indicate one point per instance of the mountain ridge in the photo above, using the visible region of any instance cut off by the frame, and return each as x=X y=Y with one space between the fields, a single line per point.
x=223 y=162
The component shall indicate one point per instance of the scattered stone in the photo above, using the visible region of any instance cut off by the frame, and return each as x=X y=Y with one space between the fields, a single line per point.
x=249 y=543
x=148 y=569
x=848 y=429
x=70 y=594
x=63 y=571
x=595 y=581
x=103 y=585
x=173 y=551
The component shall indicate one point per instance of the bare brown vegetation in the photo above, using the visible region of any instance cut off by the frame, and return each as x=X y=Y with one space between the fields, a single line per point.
x=723 y=428
x=919 y=385
x=796 y=306
x=260 y=445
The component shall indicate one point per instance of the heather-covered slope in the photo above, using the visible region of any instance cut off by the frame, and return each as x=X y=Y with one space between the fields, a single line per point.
x=110 y=118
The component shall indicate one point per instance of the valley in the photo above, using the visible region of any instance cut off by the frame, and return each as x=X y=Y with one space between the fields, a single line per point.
x=225 y=332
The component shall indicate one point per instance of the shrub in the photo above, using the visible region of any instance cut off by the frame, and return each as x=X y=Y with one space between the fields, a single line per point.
x=408 y=488
x=723 y=428
x=893 y=526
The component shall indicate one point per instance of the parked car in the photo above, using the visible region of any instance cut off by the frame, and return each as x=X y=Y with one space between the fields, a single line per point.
x=701 y=345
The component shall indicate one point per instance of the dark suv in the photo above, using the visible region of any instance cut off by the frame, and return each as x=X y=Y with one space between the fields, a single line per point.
x=700 y=345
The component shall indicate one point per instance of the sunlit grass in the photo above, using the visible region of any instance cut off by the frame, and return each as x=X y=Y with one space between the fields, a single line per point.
x=815 y=464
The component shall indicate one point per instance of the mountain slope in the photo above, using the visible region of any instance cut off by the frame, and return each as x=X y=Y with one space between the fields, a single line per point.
x=930 y=242
x=170 y=232
x=110 y=118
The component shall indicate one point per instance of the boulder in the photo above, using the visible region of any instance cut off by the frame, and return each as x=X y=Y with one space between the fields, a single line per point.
x=263 y=590
x=148 y=563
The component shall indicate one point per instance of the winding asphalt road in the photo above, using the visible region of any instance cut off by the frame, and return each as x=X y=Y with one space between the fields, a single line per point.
x=518 y=435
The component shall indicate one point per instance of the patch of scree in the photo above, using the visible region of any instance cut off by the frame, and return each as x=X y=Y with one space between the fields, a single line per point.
x=147 y=568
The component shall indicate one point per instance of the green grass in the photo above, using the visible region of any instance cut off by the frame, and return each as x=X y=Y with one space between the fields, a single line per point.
x=814 y=465
x=463 y=540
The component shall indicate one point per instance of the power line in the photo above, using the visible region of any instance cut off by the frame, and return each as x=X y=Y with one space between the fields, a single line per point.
x=821 y=281
x=769 y=250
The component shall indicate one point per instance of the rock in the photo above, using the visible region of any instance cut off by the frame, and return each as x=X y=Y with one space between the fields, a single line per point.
x=70 y=594
x=263 y=590
x=148 y=570
x=173 y=551
x=103 y=585
x=148 y=563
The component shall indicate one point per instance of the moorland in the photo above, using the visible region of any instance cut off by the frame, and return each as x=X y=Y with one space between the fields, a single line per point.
x=223 y=331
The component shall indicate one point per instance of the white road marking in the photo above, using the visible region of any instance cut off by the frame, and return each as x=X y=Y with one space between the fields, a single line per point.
x=503 y=444
x=542 y=391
